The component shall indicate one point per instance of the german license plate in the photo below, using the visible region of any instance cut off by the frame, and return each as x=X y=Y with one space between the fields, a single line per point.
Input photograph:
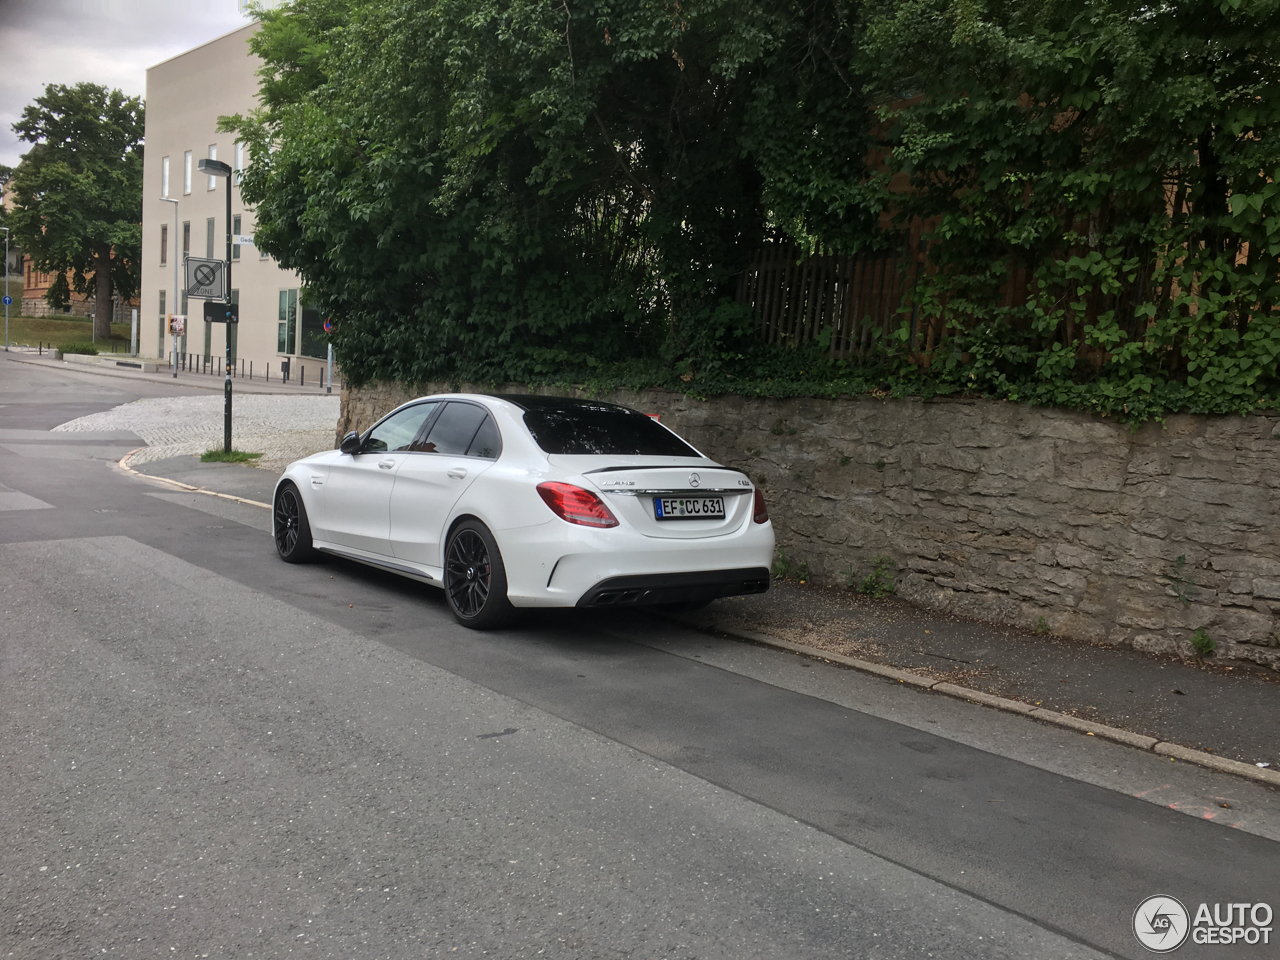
x=688 y=508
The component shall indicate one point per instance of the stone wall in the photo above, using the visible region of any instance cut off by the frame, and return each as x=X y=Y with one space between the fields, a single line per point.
x=1039 y=518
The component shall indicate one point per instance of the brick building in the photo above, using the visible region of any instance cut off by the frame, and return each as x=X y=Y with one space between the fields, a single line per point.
x=35 y=283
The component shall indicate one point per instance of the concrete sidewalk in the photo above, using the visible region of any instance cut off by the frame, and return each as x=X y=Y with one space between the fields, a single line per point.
x=190 y=378
x=282 y=427
x=1229 y=712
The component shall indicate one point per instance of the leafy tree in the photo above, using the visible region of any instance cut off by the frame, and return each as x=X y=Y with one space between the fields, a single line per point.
x=479 y=188
x=77 y=193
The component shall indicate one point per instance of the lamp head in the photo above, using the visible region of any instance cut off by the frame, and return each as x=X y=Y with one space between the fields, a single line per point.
x=214 y=168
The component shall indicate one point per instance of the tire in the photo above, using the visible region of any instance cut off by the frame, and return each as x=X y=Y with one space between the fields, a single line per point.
x=290 y=528
x=475 y=579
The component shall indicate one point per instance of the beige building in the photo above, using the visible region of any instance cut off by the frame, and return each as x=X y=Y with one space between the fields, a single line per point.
x=185 y=97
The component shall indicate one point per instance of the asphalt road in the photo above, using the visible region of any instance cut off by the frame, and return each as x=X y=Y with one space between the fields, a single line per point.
x=207 y=752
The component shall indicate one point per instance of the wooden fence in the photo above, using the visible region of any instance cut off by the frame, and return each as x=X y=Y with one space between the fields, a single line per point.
x=797 y=294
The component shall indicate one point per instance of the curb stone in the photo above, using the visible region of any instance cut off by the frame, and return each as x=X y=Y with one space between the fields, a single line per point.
x=124 y=465
x=1221 y=764
x=1087 y=727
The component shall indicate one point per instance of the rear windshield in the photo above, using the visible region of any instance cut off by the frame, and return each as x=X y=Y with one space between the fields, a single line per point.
x=612 y=431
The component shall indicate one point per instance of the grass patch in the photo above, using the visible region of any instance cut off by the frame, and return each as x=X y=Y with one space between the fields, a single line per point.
x=221 y=456
x=1202 y=643
x=60 y=331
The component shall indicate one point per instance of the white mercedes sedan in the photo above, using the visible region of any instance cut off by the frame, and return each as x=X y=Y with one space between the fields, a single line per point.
x=530 y=501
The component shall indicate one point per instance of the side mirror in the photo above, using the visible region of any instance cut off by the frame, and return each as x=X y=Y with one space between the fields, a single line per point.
x=350 y=443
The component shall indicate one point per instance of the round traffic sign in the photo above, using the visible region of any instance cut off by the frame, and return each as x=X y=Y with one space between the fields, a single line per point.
x=328 y=325
x=8 y=300
x=205 y=275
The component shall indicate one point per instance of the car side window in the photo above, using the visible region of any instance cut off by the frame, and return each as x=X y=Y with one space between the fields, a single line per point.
x=487 y=443
x=396 y=433
x=454 y=429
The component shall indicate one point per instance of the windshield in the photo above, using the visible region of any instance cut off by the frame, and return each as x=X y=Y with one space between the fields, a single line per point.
x=584 y=429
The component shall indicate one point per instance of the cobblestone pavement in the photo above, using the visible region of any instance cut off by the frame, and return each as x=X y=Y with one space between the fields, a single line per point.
x=282 y=428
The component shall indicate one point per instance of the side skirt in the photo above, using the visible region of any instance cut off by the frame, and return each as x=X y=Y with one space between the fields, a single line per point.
x=381 y=563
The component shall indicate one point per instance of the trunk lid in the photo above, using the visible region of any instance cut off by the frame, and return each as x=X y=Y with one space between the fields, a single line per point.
x=687 y=489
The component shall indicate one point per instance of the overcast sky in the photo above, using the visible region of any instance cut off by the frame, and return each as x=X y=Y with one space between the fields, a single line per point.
x=111 y=42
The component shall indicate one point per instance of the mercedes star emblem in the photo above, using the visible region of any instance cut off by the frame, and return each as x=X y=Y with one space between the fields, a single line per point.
x=694 y=479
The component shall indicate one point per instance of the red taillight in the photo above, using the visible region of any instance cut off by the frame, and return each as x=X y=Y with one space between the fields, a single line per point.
x=761 y=514
x=576 y=505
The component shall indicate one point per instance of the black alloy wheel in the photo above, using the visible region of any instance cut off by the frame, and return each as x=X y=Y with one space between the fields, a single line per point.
x=290 y=527
x=475 y=580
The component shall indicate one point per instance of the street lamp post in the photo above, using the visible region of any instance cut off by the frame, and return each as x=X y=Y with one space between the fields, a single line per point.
x=6 y=288
x=216 y=168
x=176 y=294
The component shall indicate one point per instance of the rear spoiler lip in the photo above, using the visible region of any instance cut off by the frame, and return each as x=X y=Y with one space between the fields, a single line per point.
x=714 y=466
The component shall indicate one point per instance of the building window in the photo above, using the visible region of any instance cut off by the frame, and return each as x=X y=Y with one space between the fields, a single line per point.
x=160 y=331
x=164 y=177
x=186 y=238
x=164 y=245
x=210 y=229
x=186 y=172
x=287 y=327
x=235 y=232
x=239 y=164
x=213 y=155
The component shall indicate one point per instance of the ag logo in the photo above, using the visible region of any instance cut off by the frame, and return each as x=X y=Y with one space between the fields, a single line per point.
x=1161 y=924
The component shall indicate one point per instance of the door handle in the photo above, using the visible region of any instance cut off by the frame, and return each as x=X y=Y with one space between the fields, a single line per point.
x=386 y=464
x=457 y=472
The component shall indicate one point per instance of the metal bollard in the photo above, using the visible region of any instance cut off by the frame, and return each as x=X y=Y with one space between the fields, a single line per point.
x=302 y=375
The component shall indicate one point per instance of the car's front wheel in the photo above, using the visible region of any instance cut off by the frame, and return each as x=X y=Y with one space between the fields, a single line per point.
x=475 y=580
x=290 y=527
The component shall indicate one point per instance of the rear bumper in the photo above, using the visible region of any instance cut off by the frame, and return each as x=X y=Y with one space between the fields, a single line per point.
x=646 y=590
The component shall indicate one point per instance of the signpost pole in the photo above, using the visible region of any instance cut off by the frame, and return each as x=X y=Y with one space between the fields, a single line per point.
x=328 y=378
x=216 y=168
x=226 y=367
x=176 y=305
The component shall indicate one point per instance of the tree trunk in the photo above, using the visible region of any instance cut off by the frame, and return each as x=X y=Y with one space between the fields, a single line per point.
x=102 y=294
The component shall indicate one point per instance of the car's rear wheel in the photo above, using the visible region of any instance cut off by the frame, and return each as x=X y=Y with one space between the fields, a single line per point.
x=475 y=580
x=290 y=527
